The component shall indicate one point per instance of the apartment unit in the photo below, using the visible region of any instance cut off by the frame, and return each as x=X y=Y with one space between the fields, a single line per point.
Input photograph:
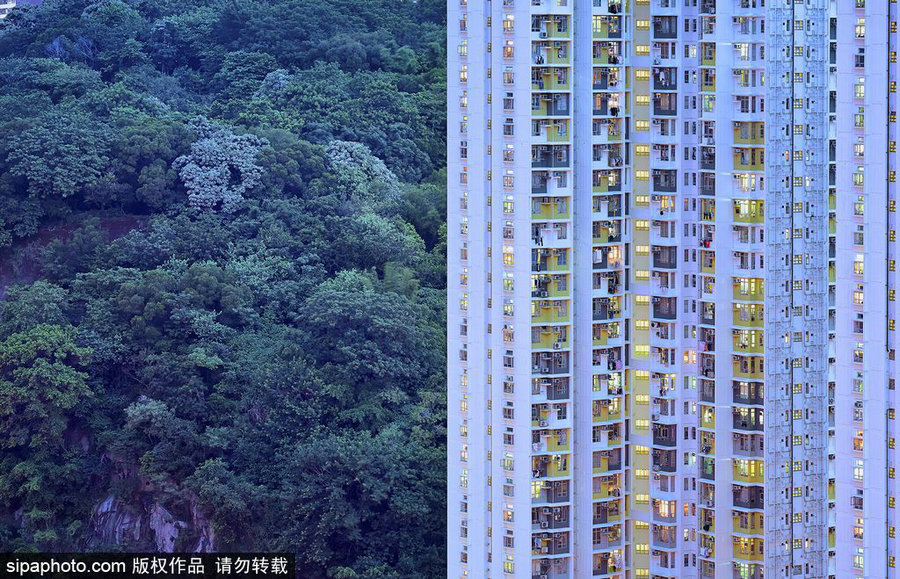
x=671 y=288
x=6 y=6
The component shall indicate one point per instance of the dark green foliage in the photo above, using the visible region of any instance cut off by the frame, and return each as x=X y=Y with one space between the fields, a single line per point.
x=229 y=221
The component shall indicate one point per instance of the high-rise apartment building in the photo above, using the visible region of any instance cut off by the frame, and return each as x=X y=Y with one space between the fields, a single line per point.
x=672 y=276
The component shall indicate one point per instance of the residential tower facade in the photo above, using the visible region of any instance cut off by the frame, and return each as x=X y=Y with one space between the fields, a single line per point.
x=671 y=286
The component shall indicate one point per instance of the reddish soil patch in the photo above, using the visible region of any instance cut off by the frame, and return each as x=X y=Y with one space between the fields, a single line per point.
x=17 y=263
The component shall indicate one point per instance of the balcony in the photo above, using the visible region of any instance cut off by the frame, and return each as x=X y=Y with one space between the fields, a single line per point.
x=664 y=436
x=608 y=129
x=550 y=156
x=549 y=286
x=551 y=105
x=606 y=411
x=606 y=258
x=663 y=563
x=546 y=26
x=748 y=523
x=552 y=260
x=553 y=235
x=606 y=462
x=550 y=363
x=748 y=289
x=707 y=468
x=665 y=257
x=745 y=497
x=707 y=183
x=749 y=133
x=664 y=511
x=664 y=181
x=547 y=338
x=606 y=437
x=748 y=211
x=549 y=208
x=708 y=158
x=551 y=183
x=665 y=78
x=707 y=521
x=608 y=384
x=664 y=460
x=547 y=131
x=605 y=105
x=707 y=391
x=606 y=334
x=664 y=107
x=549 y=518
x=608 y=6
x=607 y=232
x=665 y=308
x=545 y=466
x=606 y=206
x=607 y=157
x=748 y=315
x=550 y=388
x=665 y=28
x=708 y=313
x=552 y=492
x=750 y=393
x=606 y=283
x=608 y=564
x=547 y=78
x=607 y=53
x=664 y=537
x=607 y=27
x=752 y=572
x=707 y=417
x=708 y=54
x=607 y=512
x=606 y=181
x=747 y=420
x=750 y=367
x=606 y=309
x=749 y=159
x=550 y=544
x=550 y=568
x=544 y=53
x=607 y=538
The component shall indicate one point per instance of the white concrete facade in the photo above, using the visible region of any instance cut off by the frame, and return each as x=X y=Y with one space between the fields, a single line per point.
x=6 y=6
x=670 y=288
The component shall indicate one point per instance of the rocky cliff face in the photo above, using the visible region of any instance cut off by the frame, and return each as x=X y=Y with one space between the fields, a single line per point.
x=148 y=526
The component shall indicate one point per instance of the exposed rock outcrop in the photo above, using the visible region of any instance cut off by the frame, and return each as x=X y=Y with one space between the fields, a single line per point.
x=148 y=527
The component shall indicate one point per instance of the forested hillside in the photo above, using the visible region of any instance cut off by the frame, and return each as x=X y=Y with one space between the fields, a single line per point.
x=221 y=227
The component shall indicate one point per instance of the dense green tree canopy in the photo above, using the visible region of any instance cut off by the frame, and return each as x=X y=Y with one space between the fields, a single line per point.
x=222 y=290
